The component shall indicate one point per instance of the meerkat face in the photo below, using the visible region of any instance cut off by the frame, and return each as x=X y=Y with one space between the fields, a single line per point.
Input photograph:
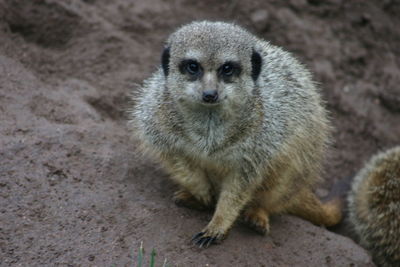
x=211 y=64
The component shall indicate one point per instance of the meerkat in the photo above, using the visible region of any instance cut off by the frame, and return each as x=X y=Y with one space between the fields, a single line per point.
x=239 y=125
x=374 y=207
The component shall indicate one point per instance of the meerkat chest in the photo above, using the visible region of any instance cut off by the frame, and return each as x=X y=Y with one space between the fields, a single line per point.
x=206 y=134
x=216 y=170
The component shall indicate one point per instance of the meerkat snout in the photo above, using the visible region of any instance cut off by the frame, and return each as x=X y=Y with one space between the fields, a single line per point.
x=210 y=96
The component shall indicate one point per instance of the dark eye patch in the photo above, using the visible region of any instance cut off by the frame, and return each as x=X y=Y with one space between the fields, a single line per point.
x=228 y=70
x=191 y=67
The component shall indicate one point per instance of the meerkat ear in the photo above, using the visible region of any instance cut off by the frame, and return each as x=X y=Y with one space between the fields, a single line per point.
x=256 y=62
x=165 y=61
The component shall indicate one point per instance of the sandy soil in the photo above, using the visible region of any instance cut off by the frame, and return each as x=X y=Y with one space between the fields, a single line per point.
x=73 y=190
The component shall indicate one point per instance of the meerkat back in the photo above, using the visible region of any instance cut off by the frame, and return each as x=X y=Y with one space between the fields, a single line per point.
x=374 y=207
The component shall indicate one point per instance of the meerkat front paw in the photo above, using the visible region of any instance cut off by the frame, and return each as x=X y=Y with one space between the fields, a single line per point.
x=257 y=219
x=207 y=237
x=184 y=198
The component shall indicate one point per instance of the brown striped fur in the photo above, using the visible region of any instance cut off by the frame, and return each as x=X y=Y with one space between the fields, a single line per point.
x=374 y=207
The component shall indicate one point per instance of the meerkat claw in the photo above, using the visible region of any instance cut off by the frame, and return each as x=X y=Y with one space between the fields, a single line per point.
x=203 y=241
x=209 y=241
x=197 y=236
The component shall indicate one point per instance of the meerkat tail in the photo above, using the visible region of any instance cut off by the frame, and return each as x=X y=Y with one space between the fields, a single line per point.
x=310 y=208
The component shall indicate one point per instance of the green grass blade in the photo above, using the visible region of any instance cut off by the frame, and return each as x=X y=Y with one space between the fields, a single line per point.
x=140 y=256
x=152 y=257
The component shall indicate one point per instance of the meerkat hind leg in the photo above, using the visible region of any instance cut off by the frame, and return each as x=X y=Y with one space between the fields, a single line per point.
x=257 y=218
x=184 y=198
x=309 y=207
x=195 y=190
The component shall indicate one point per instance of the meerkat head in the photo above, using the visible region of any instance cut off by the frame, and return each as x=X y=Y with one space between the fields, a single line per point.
x=211 y=64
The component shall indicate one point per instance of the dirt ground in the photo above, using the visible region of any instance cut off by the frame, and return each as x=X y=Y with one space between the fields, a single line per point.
x=73 y=190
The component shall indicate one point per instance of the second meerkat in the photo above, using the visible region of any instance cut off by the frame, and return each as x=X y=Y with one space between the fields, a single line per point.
x=374 y=207
x=239 y=124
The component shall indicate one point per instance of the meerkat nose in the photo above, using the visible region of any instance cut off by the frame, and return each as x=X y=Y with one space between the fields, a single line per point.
x=210 y=96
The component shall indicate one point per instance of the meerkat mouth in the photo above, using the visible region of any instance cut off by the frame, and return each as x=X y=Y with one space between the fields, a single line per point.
x=214 y=104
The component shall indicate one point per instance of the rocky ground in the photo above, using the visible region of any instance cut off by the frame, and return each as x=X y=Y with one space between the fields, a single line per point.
x=73 y=190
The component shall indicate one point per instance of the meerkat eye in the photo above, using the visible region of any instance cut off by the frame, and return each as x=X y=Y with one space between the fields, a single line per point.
x=227 y=69
x=192 y=67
